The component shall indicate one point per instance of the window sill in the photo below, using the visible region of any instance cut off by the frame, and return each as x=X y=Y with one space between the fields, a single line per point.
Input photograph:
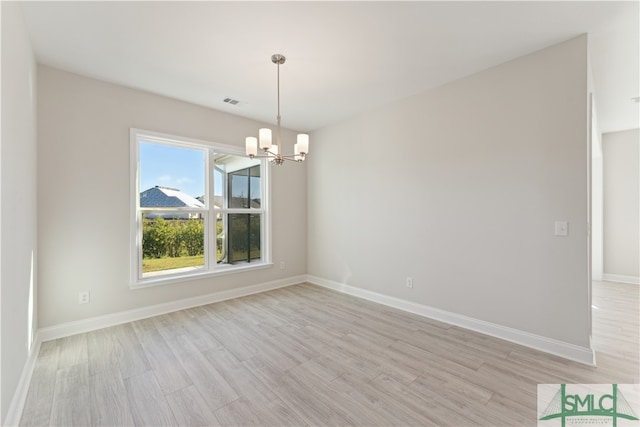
x=196 y=274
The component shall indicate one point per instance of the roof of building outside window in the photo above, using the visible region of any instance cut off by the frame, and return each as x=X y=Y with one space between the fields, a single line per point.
x=166 y=197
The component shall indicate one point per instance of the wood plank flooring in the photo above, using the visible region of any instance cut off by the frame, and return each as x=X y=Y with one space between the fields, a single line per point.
x=304 y=355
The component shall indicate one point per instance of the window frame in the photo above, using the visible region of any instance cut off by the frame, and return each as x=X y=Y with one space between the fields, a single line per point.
x=209 y=212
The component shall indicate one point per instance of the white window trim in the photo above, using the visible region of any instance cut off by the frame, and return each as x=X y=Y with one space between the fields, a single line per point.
x=211 y=268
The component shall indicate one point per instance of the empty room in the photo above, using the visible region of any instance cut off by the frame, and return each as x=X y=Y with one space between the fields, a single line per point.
x=320 y=213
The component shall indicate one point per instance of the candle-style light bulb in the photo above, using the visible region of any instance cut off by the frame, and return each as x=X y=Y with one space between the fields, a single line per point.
x=265 y=138
x=252 y=146
x=303 y=143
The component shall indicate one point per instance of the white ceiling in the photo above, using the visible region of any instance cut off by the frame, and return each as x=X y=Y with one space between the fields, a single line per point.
x=343 y=58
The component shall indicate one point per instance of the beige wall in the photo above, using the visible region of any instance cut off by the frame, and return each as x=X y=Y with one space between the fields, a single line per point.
x=459 y=188
x=622 y=206
x=83 y=150
x=18 y=226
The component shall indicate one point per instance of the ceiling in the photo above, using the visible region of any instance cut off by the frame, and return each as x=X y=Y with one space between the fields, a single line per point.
x=343 y=58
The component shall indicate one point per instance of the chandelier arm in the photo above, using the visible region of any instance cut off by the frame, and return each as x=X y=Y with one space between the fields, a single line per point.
x=280 y=159
x=271 y=155
x=290 y=158
x=266 y=154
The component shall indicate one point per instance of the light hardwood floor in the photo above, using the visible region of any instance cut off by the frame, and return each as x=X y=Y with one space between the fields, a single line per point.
x=304 y=355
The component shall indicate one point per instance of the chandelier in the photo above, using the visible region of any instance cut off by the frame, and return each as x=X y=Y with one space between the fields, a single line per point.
x=274 y=151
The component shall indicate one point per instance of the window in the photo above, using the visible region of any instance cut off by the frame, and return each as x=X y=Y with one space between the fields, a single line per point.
x=198 y=208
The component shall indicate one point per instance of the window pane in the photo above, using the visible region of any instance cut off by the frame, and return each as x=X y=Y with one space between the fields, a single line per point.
x=239 y=189
x=171 y=176
x=239 y=177
x=254 y=237
x=172 y=243
x=244 y=237
x=238 y=237
x=255 y=188
x=221 y=244
x=219 y=186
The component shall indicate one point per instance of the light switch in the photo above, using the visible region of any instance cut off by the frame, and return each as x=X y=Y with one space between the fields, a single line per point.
x=562 y=228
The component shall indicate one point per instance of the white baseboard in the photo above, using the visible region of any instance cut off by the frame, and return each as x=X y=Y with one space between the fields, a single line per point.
x=94 y=323
x=634 y=280
x=548 y=345
x=20 y=396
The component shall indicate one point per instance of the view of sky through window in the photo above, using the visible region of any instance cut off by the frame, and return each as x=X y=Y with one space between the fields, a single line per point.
x=174 y=167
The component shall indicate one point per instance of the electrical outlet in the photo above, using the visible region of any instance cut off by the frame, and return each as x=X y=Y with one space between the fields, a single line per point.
x=282 y=265
x=83 y=297
x=562 y=228
x=409 y=282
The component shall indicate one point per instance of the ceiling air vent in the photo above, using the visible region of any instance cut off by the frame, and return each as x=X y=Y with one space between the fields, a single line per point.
x=231 y=101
